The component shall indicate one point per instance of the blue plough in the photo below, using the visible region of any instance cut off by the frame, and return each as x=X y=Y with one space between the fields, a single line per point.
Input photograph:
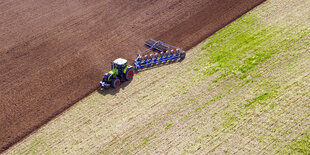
x=163 y=53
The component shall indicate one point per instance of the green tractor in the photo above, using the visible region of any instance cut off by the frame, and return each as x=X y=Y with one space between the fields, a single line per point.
x=119 y=72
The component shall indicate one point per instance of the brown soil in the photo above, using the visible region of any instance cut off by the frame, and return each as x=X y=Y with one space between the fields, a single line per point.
x=53 y=53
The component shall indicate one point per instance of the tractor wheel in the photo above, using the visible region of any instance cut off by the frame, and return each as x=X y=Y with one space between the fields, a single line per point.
x=116 y=83
x=129 y=74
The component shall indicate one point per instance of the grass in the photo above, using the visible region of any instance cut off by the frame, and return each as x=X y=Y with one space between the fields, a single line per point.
x=242 y=46
x=299 y=146
x=230 y=121
x=168 y=126
x=260 y=98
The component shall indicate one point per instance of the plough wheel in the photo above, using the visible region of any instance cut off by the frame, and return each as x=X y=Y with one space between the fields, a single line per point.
x=183 y=54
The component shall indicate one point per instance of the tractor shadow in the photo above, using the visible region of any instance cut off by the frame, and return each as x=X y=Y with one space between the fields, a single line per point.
x=113 y=91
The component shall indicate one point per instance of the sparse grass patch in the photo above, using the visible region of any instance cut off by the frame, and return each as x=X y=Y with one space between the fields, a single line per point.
x=168 y=126
x=229 y=121
x=204 y=105
x=260 y=98
x=300 y=146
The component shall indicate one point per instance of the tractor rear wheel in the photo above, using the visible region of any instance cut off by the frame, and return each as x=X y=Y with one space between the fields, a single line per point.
x=129 y=74
x=116 y=83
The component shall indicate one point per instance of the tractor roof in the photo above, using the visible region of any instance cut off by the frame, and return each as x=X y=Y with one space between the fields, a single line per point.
x=120 y=61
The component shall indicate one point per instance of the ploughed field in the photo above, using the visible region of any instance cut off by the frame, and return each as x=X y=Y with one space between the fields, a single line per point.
x=54 y=53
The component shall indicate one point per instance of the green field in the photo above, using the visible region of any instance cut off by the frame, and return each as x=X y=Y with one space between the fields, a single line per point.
x=245 y=89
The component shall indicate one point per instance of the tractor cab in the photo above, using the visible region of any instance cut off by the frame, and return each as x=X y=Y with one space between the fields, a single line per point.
x=119 y=64
x=119 y=72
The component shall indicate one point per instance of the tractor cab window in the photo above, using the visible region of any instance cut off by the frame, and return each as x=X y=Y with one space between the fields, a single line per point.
x=117 y=66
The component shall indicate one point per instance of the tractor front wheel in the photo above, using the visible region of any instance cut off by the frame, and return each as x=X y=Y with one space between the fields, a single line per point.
x=116 y=83
x=129 y=74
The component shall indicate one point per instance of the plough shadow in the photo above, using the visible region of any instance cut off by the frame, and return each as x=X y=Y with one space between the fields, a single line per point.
x=112 y=91
x=159 y=65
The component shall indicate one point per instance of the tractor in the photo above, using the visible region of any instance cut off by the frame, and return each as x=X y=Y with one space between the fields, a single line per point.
x=163 y=53
x=119 y=72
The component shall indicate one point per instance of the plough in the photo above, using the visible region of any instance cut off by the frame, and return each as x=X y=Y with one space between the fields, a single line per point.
x=163 y=53
x=160 y=53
